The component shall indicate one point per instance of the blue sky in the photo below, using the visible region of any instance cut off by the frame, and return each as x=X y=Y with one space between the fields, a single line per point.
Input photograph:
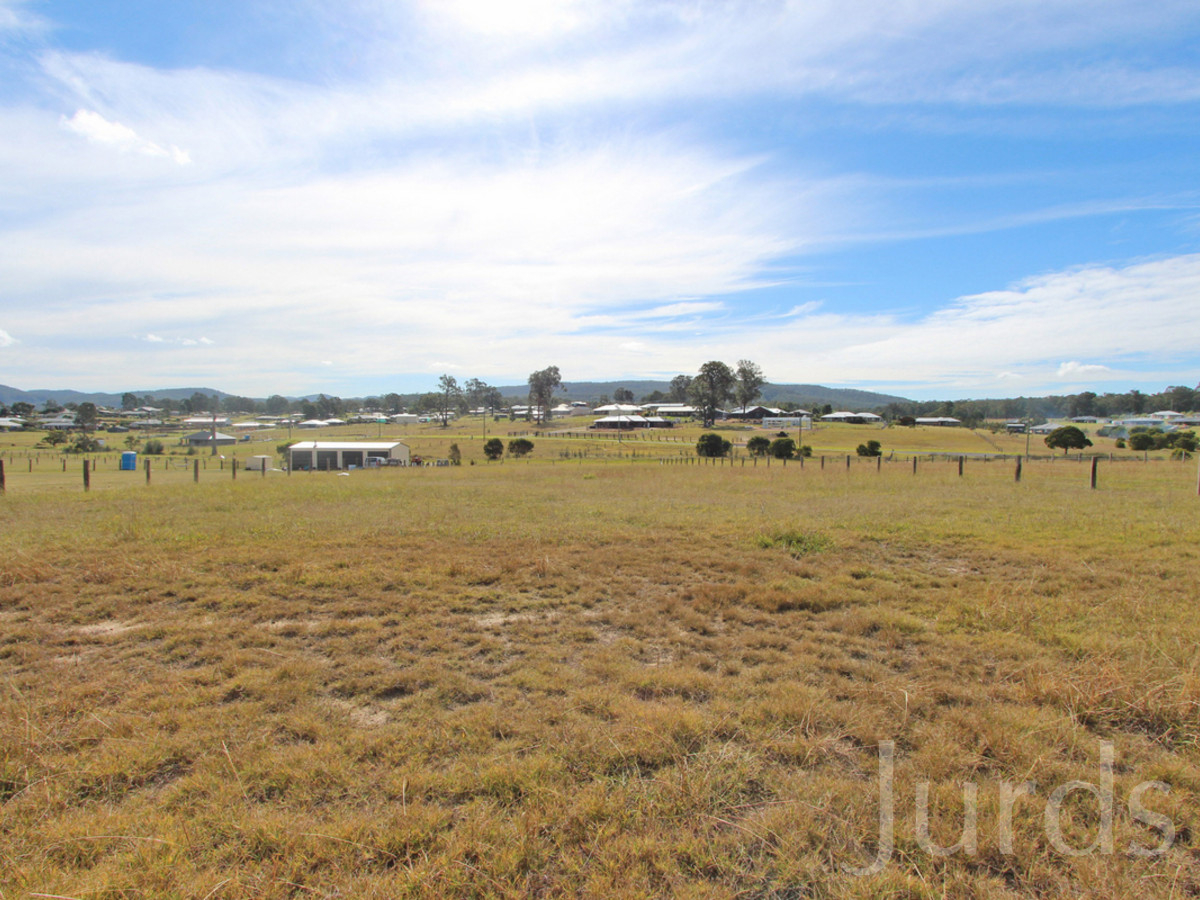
x=951 y=198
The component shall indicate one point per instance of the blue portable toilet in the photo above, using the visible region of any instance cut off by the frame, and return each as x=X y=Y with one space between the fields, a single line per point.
x=128 y=461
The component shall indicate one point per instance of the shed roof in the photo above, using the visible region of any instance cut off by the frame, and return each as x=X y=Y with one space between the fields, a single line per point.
x=347 y=445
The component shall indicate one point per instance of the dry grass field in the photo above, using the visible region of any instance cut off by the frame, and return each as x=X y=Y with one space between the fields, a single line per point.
x=600 y=680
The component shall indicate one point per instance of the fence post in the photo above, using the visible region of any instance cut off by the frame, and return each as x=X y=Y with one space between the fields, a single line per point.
x=233 y=467
x=879 y=463
x=914 y=465
x=1095 y=464
x=196 y=471
x=147 y=471
x=960 y=466
x=847 y=462
x=87 y=476
x=1018 y=475
x=1 y=476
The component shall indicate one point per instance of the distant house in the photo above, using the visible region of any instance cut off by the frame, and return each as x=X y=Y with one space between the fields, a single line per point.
x=64 y=421
x=621 y=423
x=330 y=455
x=1015 y=427
x=943 y=421
x=755 y=412
x=7 y=424
x=207 y=439
x=852 y=418
x=200 y=421
x=676 y=410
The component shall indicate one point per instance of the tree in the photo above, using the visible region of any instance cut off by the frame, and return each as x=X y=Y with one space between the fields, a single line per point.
x=1083 y=404
x=680 y=386
x=542 y=385
x=749 y=383
x=870 y=448
x=391 y=402
x=277 y=405
x=455 y=455
x=448 y=395
x=494 y=448
x=129 y=401
x=1068 y=437
x=481 y=395
x=1141 y=442
x=21 y=409
x=623 y=395
x=520 y=447
x=783 y=448
x=712 y=445
x=758 y=445
x=711 y=389
x=86 y=415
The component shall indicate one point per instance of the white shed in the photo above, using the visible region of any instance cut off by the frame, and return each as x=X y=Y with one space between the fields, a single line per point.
x=322 y=455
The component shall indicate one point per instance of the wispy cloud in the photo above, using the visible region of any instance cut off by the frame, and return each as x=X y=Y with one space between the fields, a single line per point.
x=180 y=341
x=99 y=130
x=6 y=339
x=485 y=181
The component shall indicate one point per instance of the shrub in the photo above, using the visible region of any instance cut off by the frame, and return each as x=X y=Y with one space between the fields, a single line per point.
x=805 y=450
x=870 y=448
x=85 y=444
x=758 y=445
x=783 y=448
x=1141 y=441
x=796 y=541
x=494 y=448
x=153 y=447
x=712 y=445
x=1120 y=444
x=520 y=447
x=455 y=455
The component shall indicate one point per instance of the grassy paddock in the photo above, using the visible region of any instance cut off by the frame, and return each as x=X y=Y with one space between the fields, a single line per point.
x=595 y=680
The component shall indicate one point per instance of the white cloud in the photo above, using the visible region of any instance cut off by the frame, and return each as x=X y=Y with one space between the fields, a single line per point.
x=1143 y=312
x=1076 y=369
x=6 y=339
x=98 y=130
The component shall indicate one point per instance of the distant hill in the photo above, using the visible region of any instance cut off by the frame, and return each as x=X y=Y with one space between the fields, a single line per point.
x=9 y=395
x=797 y=394
x=806 y=395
